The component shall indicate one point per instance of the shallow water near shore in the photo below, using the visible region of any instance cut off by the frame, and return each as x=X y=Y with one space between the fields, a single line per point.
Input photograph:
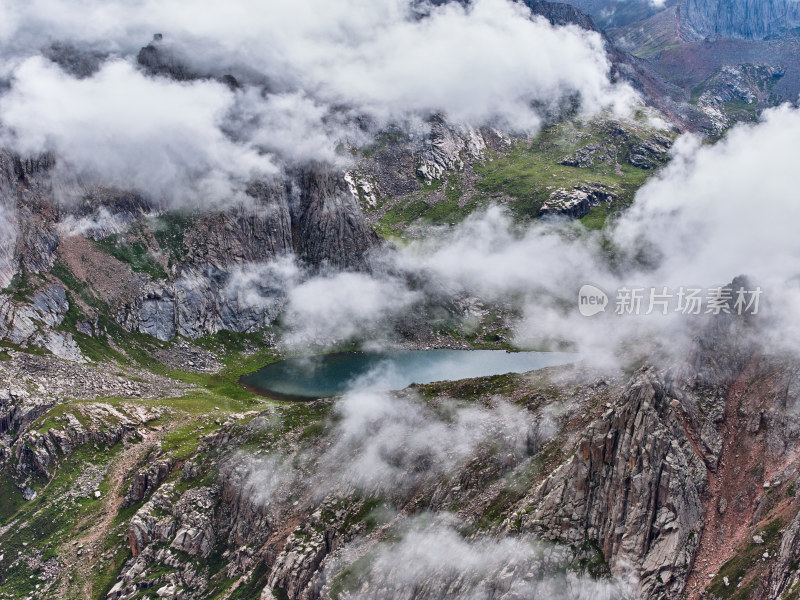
x=334 y=374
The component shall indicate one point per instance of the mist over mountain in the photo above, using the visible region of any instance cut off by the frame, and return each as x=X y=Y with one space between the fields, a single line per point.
x=191 y=193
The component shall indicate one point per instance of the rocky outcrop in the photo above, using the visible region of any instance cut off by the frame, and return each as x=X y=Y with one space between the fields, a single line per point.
x=784 y=577
x=560 y=13
x=650 y=153
x=577 y=202
x=589 y=156
x=328 y=227
x=147 y=480
x=736 y=86
x=446 y=148
x=203 y=302
x=635 y=486
x=99 y=423
x=195 y=534
x=153 y=522
x=26 y=324
x=26 y=240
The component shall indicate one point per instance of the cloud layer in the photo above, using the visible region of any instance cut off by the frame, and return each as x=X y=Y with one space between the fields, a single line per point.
x=313 y=75
x=432 y=560
x=136 y=132
x=715 y=213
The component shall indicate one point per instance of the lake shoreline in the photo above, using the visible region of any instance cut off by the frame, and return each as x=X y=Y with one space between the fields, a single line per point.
x=306 y=379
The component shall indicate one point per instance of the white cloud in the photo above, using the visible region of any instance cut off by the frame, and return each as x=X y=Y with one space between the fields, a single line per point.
x=101 y=223
x=258 y=286
x=382 y=442
x=323 y=63
x=132 y=131
x=433 y=560
x=724 y=210
x=485 y=62
x=327 y=310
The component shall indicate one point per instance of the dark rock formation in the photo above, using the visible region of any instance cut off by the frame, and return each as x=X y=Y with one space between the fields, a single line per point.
x=328 y=227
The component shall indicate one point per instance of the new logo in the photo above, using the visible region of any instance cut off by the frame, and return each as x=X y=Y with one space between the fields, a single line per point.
x=592 y=300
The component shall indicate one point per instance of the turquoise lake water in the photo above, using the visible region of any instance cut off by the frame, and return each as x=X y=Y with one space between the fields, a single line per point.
x=334 y=374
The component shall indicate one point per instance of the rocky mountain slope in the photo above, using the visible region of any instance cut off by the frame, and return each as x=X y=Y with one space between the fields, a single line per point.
x=134 y=465
x=675 y=481
x=742 y=18
x=694 y=44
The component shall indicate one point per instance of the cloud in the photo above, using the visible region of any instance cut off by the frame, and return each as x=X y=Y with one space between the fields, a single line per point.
x=296 y=127
x=383 y=443
x=719 y=211
x=483 y=62
x=132 y=131
x=315 y=75
x=488 y=255
x=259 y=286
x=98 y=225
x=334 y=309
x=433 y=560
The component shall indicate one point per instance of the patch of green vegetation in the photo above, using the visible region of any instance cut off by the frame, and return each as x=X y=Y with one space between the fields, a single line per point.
x=517 y=484
x=651 y=50
x=169 y=230
x=741 y=110
x=94 y=348
x=451 y=209
x=252 y=589
x=473 y=389
x=10 y=498
x=592 y=561
x=104 y=576
x=134 y=253
x=367 y=513
x=49 y=520
x=528 y=173
x=182 y=443
x=382 y=143
x=597 y=217
x=349 y=578
x=53 y=418
x=21 y=286
x=747 y=562
x=491 y=332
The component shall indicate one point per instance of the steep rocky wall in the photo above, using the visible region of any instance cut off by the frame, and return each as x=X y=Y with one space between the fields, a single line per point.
x=635 y=486
x=311 y=214
x=747 y=19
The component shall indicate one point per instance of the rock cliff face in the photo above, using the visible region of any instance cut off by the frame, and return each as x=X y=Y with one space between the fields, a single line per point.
x=747 y=19
x=635 y=485
x=181 y=285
